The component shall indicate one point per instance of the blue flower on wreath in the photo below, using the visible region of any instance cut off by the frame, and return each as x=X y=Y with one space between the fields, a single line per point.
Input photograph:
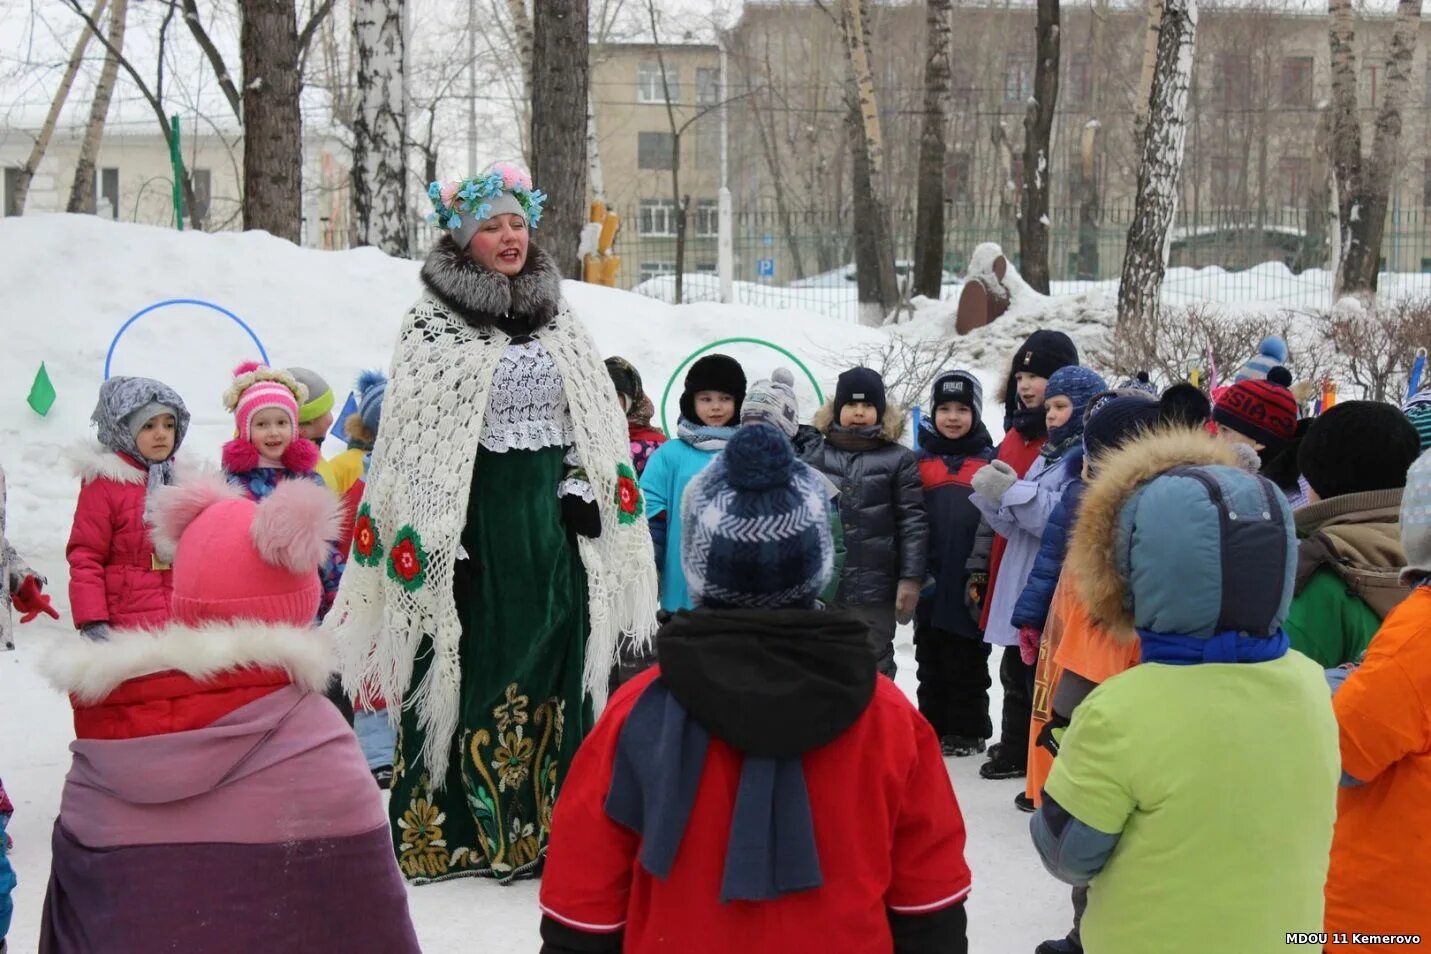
x=434 y=191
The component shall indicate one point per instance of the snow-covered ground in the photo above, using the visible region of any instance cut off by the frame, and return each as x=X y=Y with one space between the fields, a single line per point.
x=67 y=285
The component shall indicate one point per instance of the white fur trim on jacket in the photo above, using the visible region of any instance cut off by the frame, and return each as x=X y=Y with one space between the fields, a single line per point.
x=421 y=476
x=91 y=460
x=93 y=669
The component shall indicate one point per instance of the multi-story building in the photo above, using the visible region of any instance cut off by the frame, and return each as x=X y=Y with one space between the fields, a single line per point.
x=641 y=132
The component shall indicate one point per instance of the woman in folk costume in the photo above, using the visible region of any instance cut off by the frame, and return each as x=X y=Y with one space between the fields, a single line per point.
x=500 y=550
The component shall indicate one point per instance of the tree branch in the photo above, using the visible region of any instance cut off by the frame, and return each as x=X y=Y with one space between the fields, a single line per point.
x=305 y=36
x=216 y=59
x=144 y=89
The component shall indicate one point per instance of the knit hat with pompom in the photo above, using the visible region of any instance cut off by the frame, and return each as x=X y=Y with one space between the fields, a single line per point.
x=772 y=401
x=755 y=526
x=237 y=560
x=255 y=388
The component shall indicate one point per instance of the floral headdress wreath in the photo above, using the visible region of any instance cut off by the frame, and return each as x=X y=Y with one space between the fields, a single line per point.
x=473 y=196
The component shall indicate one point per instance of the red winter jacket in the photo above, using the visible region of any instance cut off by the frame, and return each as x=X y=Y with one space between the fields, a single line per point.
x=115 y=576
x=887 y=827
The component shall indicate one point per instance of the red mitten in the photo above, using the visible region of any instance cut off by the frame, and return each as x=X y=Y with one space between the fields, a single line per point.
x=1028 y=644
x=31 y=602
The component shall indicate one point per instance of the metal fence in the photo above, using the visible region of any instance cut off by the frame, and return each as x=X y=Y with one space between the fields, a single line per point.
x=803 y=260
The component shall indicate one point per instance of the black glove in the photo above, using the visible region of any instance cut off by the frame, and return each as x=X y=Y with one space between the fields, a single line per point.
x=580 y=516
x=1050 y=737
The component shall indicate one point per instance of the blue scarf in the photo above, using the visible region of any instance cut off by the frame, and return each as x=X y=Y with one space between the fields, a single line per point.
x=1227 y=646
x=660 y=756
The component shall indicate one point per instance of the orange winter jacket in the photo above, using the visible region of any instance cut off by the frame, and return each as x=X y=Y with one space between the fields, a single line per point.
x=1381 y=852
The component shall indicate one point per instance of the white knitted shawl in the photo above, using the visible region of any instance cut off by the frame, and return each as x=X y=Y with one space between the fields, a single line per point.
x=420 y=478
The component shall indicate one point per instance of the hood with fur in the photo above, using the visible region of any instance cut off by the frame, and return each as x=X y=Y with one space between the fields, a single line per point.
x=484 y=298
x=1094 y=551
x=891 y=425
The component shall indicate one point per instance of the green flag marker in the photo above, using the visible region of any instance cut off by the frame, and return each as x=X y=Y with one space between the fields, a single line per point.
x=42 y=392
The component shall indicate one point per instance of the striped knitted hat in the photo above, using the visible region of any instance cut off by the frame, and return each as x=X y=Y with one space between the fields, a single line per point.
x=1262 y=410
x=1418 y=412
x=257 y=387
x=755 y=526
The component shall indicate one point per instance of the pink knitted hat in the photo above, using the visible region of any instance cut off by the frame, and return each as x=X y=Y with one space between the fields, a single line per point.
x=257 y=387
x=237 y=560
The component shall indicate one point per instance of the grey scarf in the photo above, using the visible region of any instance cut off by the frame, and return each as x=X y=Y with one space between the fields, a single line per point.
x=703 y=436
x=119 y=397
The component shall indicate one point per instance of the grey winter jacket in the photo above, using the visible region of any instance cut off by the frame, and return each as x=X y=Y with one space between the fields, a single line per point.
x=881 y=506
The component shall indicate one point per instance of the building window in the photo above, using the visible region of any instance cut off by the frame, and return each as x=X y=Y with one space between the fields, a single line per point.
x=12 y=190
x=650 y=270
x=1079 y=89
x=203 y=182
x=957 y=172
x=1297 y=81
x=657 y=218
x=108 y=192
x=648 y=82
x=1234 y=80
x=1295 y=173
x=1018 y=79
x=707 y=86
x=655 y=150
x=707 y=218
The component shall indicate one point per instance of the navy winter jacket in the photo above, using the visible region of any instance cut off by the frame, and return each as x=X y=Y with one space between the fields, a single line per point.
x=1032 y=606
x=953 y=528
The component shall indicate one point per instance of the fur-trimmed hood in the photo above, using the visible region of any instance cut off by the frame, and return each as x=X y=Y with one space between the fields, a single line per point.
x=484 y=298
x=892 y=425
x=91 y=670
x=1094 y=551
x=90 y=461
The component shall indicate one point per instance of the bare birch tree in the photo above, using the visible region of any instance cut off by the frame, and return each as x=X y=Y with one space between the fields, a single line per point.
x=380 y=127
x=929 y=213
x=47 y=130
x=1364 y=183
x=1038 y=131
x=1155 y=205
x=82 y=197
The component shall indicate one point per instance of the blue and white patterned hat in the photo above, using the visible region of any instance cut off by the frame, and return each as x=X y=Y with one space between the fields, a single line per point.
x=755 y=526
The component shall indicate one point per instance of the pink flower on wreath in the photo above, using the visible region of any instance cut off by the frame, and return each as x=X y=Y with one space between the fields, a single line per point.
x=512 y=176
x=449 y=192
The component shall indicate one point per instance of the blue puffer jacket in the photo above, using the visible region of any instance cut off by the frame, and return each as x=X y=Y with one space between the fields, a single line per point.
x=1032 y=606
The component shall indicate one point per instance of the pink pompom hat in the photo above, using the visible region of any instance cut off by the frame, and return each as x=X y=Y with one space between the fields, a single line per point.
x=237 y=560
x=257 y=387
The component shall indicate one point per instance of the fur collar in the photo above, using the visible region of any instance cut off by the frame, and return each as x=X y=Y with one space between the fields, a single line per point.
x=240 y=457
x=1092 y=552
x=92 y=461
x=891 y=425
x=92 y=670
x=484 y=298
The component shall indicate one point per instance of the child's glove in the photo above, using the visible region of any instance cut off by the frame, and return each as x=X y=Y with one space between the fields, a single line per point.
x=993 y=481
x=31 y=602
x=1050 y=737
x=906 y=598
x=1028 y=644
x=99 y=632
x=974 y=593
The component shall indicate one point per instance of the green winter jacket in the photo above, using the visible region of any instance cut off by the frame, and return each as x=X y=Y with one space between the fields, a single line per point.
x=1349 y=562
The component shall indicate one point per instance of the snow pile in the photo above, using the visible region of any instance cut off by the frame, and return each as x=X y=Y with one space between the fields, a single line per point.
x=71 y=282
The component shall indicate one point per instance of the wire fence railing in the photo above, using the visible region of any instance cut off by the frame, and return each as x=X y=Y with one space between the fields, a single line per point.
x=1258 y=258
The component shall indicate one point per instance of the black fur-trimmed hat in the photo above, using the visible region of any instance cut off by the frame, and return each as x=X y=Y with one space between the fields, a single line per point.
x=714 y=372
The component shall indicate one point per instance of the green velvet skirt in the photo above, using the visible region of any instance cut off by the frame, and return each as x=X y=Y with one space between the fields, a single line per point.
x=521 y=597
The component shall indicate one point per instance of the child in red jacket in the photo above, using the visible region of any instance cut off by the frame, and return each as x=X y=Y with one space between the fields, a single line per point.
x=116 y=579
x=761 y=790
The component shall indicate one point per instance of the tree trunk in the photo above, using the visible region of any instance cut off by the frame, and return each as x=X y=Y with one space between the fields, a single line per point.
x=380 y=127
x=1365 y=183
x=1038 y=131
x=47 y=131
x=879 y=296
x=525 y=38
x=82 y=197
x=559 y=96
x=595 y=179
x=929 y=214
x=1145 y=260
x=1149 y=71
x=273 y=125
x=1088 y=209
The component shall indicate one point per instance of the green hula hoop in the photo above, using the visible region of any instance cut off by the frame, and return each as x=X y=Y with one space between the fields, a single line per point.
x=671 y=381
